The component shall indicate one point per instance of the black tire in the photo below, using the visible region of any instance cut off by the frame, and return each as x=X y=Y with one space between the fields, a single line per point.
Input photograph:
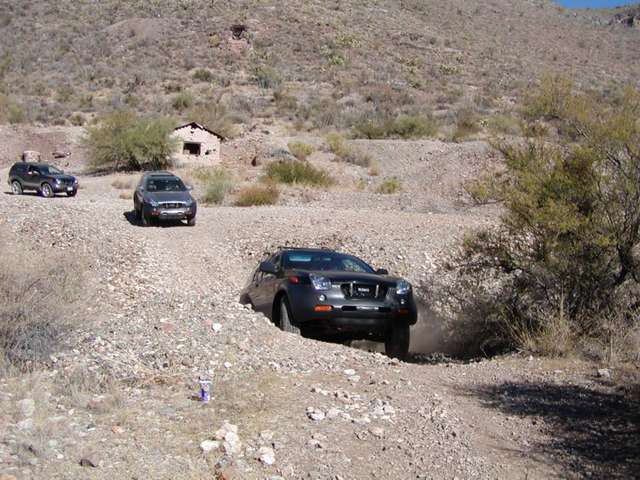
x=72 y=193
x=191 y=221
x=146 y=221
x=16 y=187
x=46 y=190
x=396 y=343
x=286 y=317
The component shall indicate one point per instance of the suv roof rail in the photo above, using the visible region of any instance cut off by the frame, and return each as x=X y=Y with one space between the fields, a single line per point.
x=286 y=247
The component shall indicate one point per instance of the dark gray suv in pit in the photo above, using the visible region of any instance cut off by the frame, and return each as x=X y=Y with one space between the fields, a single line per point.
x=45 y=179
x=332 y=296
x=163 y=196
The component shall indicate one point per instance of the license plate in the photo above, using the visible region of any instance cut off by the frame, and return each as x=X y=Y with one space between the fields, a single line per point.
x=366 y=307
x=69 y=189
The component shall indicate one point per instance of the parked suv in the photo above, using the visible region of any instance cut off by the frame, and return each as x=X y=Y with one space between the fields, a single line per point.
x=44 y=179
x=163 y=196
x=329 y=295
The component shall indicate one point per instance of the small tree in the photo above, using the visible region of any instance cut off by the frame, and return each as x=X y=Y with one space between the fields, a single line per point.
x=124 y=141
x=566 y=248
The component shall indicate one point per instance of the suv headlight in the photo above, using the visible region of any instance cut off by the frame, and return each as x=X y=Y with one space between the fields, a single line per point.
x=153 y=203
x=403 y=287
x=320 y=283
x=57 y=181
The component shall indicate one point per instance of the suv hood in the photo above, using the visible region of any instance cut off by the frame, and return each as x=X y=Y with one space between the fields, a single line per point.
x=169 y=196
x=337 y=276
x=62 y=176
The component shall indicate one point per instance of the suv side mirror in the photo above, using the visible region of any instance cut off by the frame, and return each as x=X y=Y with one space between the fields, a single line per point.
x=268 y=267
x=382 y=271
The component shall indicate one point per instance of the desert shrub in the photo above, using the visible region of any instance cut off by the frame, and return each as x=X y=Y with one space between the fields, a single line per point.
x=267 y=77
x=11 y=111
x=549 y=99
x=565 y=258
x=216 y=117
x=38 y=293
x=217 y=182
x=339 y=146
x=257 y=195
x=300 y=150
x=466 y=124
x=124 y=141
x=403 y=126
x=296 y=171
x=504 y=124
x=389 y=186
x=486 y=189
x=203 y=75
x=182 y=101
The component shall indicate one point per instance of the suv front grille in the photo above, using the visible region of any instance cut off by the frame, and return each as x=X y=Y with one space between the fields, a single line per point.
x=363 y=290
x=172 y=205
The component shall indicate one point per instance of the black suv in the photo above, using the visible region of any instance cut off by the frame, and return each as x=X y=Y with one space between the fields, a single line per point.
x=45 y=179
x=329 y=295
x=163 y=196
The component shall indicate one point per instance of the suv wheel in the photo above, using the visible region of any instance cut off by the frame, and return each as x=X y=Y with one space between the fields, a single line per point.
x=16 y=187
x=146 y=220
x=46 y=190
x=396 y=343
x=191 y=221
x=285 y=317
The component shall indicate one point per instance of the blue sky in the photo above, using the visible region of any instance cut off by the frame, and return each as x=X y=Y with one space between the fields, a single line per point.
x=594 y=3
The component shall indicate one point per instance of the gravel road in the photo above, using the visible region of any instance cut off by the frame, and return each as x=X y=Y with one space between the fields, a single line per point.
x=164 y=312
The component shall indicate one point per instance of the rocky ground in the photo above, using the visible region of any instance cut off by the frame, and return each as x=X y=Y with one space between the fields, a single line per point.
x=119 y=399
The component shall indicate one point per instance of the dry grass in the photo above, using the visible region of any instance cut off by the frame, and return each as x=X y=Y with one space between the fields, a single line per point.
x=38 y=293
x=125 y=195
x=257 y=195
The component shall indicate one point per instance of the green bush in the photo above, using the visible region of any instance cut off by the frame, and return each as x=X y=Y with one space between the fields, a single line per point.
x=466 y=124
x=403 y=126
x=300 y=150
x=549 y=99
x=296 y=171
x=124 y=141
x=203 y=75
x=505 y=124
x=182 y=101
x=566 y=255
x=267 y=77
x=217 y=182
x=389 y=186
x=258 y=195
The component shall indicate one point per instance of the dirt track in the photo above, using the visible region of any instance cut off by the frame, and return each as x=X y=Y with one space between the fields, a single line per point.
x=164 y=312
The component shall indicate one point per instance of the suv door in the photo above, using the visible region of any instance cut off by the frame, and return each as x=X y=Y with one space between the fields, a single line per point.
x=33 y=177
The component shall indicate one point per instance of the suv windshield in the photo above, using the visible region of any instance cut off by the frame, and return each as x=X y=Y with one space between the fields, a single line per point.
x=165 y=184
x=324 y=261
x=49 y=170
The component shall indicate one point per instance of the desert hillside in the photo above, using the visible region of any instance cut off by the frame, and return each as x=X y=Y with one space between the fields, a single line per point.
x=329 y=64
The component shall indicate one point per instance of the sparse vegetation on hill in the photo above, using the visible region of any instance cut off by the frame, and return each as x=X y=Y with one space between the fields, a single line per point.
x=369 y=64
x=125 y=141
